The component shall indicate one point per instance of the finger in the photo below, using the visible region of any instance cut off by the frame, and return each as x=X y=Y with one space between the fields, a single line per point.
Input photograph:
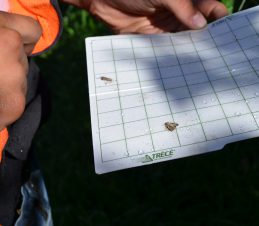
x=12 y=51
x=27 y=27
x=143 y=25
x=11 y=108
x=166 y=22
x=185 y=11
x=211 y=9
x=12 y=96
x=135 y=27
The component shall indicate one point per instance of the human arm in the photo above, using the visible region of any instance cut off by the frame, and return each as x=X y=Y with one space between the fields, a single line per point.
x=153 y=16
x=18 y=36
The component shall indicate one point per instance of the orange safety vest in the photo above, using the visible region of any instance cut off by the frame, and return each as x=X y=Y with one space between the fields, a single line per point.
x=45 y=13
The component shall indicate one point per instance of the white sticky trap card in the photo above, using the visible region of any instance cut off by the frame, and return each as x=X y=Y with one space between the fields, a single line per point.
x=160 y=97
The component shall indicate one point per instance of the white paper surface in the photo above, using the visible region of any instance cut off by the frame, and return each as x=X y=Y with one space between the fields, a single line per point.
x=206 y=81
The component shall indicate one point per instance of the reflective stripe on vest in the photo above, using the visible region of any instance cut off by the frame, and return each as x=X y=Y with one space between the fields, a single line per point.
x=3 y=140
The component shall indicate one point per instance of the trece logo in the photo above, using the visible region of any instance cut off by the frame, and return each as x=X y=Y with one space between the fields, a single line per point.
x=155 y=156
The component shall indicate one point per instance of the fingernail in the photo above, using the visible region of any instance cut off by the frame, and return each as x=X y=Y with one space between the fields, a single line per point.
x=199 y=21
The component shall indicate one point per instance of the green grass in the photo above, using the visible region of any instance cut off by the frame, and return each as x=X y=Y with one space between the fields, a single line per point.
x=229 y=4
x=216 y=189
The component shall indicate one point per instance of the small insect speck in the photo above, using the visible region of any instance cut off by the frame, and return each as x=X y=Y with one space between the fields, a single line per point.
x=171 y=126
x=103 y=78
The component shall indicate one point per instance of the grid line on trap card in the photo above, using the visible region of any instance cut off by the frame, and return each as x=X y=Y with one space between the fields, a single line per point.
x=205 y=82
x=207 y=86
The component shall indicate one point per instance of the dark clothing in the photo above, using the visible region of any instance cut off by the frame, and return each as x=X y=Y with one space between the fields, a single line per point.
x=13 y=167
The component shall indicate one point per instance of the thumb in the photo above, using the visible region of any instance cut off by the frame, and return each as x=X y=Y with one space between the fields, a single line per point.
x=186 y=12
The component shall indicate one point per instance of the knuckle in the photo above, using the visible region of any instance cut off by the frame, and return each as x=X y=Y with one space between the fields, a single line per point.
x=16 y=81
x=37 y=30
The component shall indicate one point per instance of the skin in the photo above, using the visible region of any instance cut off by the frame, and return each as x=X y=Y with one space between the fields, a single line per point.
x=18 y=35
x=153 y=16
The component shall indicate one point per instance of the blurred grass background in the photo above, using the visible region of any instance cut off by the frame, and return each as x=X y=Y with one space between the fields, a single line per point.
x=217 y=189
